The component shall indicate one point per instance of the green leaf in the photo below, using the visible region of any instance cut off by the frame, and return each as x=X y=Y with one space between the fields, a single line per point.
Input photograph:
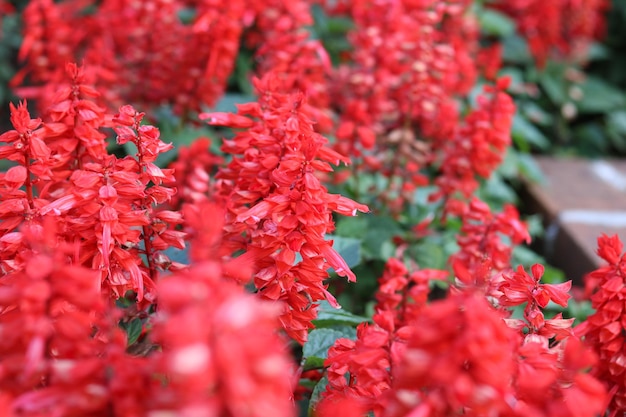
x=228 y=102
x=315 y=350
x=495 y=190
x=617 y=121
x=534 y=222
x=349 y=248
x=186 y=15
x=317 y=394
x=352 y=226
x=616 y=129
x=591 y=139
x=330 y=317
x=515 y=50
x=525 y=256
x=598 y=51
x=133 y=331
x=509 y=168
x=599 y=96
x=429 y=254
x=554 y=83
x=579 y=309
x=494 y=23
x=524 y=133
x=529 y=168
x=535 y=114
x=377 y=240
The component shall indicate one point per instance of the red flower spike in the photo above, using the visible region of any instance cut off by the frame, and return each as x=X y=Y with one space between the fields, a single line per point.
x=221 y=352
x=445 y=370
x=604 y=330
x=556 y=29
x=483 y=255
x=277 y=205
x=52 y=363
x=401 y=298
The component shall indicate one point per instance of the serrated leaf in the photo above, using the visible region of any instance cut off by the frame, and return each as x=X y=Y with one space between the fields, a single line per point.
x=329 y=317
x=133 y=331
x=315 y=350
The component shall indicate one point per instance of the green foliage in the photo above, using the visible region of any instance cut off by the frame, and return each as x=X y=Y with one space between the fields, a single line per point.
x=133 y=331
x=320 y=387
x=329 y=317
x=494 y=23
x=315 y=350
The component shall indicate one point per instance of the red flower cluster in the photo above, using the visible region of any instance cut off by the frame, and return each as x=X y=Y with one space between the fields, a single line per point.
x=520 y=287
x=109 y=205
x=605 y=329
x=277 y=206
x=284 y=48
x=478 y=147
x=193 y=169
x=551 y=378
x=221 y=353
x=459 y=360
x=397 y=98
x=62 y=354
x=483 y=253
x=183 y=63
x=361 y=370
x=564 y=27
x=81 y=228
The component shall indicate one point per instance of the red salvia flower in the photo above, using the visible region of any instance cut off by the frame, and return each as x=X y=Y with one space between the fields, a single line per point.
x=458 y=361
x=73 y=121
x=193 y=169
x=478 y=147
x=483 y=253
x=113 y=208
x=520 y=287
x=50 y=361
x=221 y=352
x=361 y=371
x=277 y=203
x=20 y=203
x=605 y=329
x=553 y=380
x=561 y=28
